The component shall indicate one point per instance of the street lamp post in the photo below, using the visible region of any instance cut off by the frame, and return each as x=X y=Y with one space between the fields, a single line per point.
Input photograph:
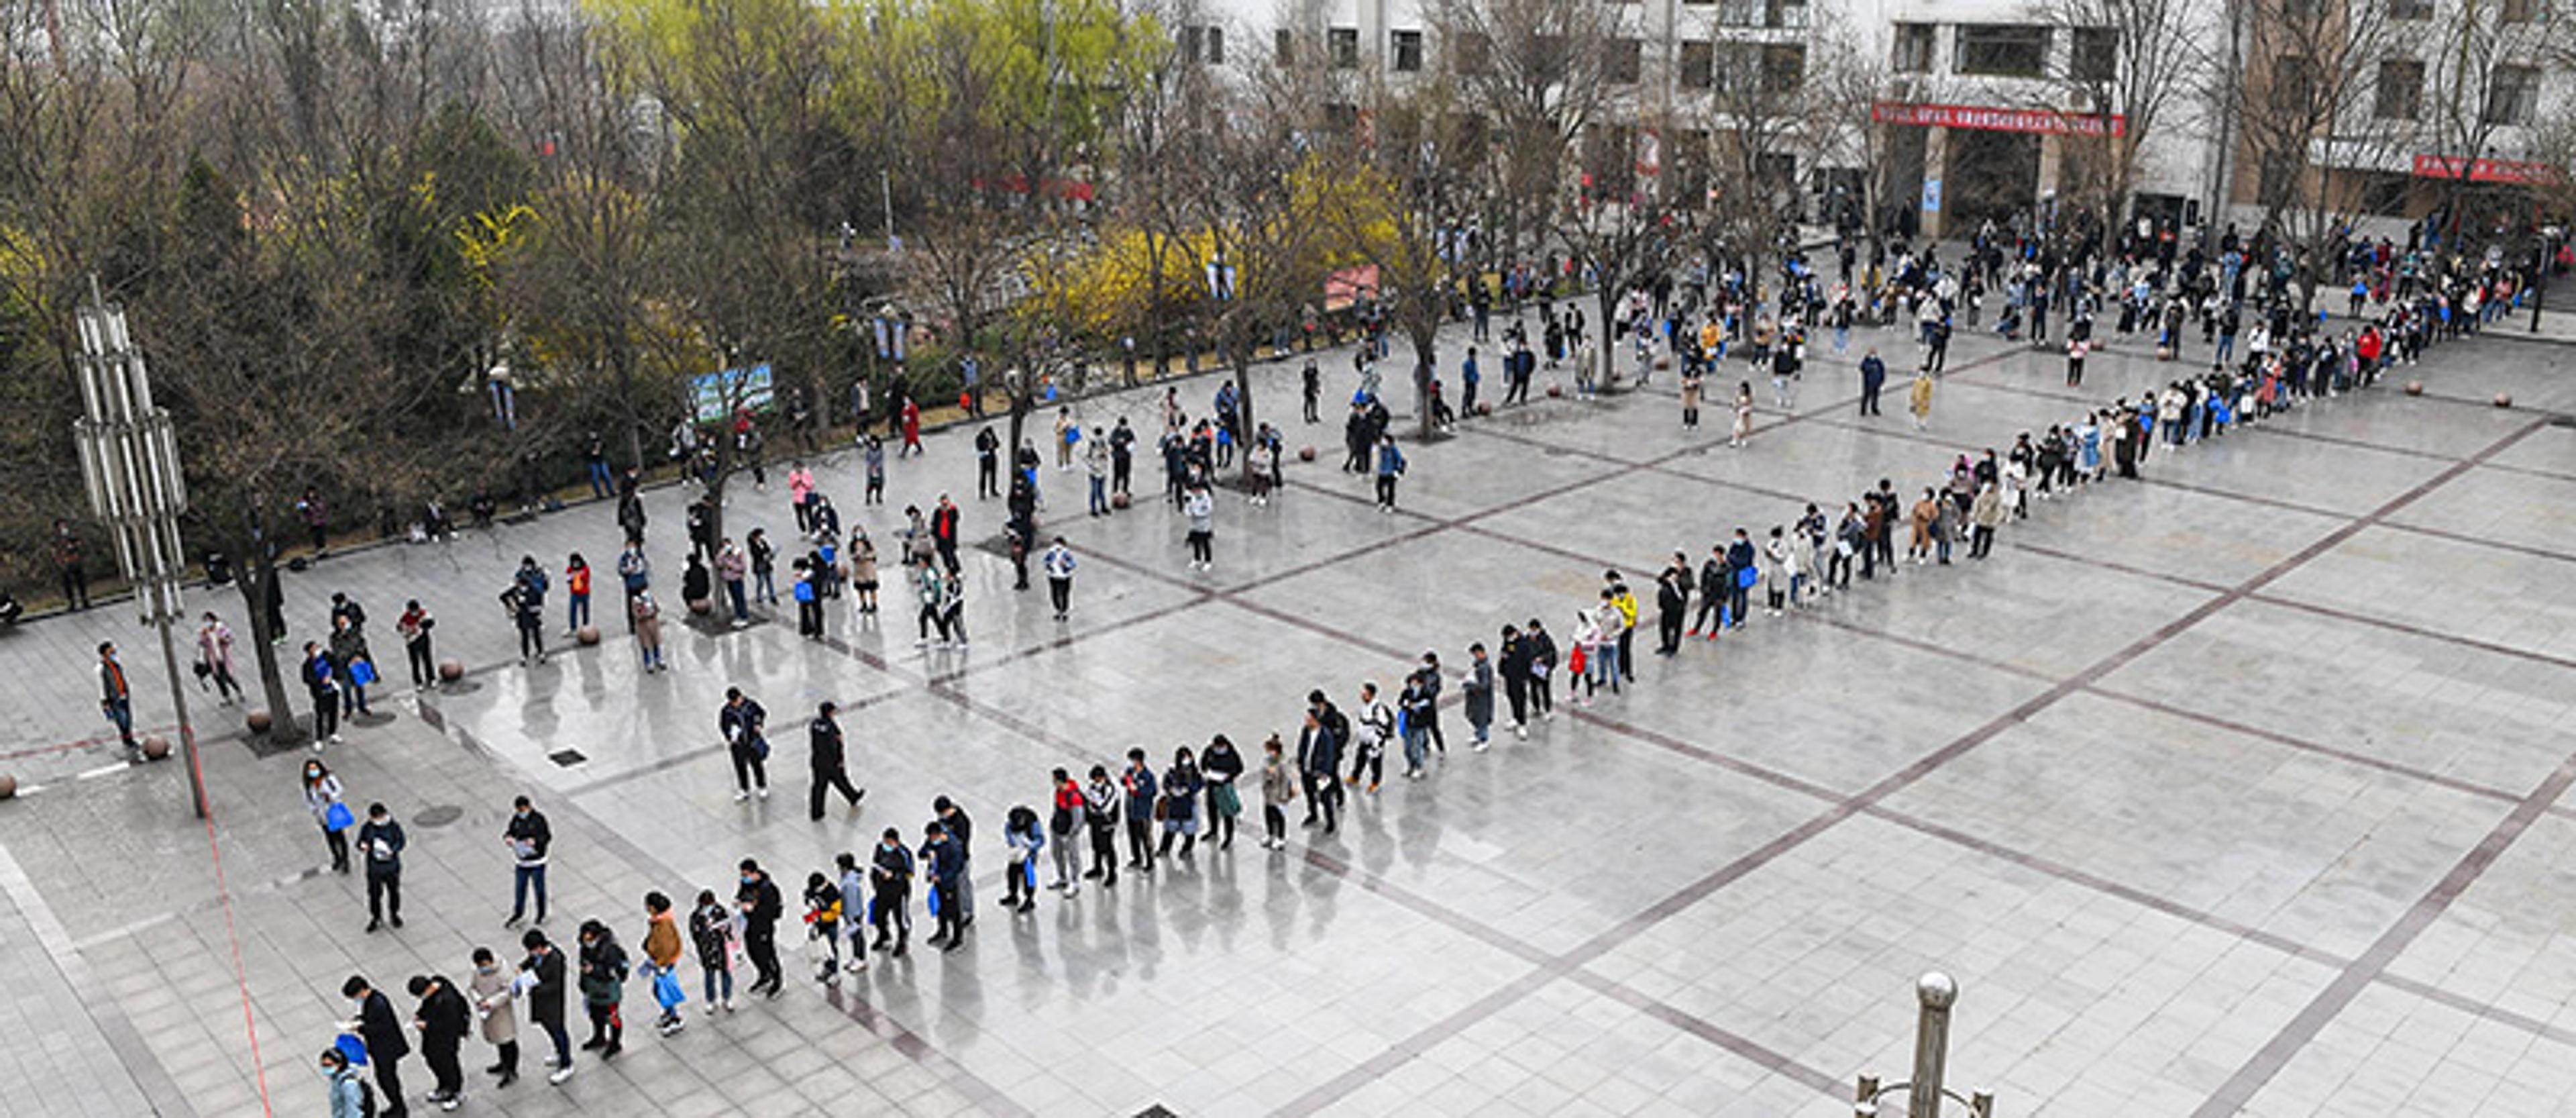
x=1925 y=1092
x=130 y=462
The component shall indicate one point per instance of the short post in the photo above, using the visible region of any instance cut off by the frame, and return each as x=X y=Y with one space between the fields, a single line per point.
x=1936 y=991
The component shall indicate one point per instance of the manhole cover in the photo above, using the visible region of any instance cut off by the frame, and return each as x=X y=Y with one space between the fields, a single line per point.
x=567 y=757
x=371 y=718
x=438 y=816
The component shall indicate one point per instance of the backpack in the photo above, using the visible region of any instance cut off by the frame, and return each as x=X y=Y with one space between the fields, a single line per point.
x=366 y=1098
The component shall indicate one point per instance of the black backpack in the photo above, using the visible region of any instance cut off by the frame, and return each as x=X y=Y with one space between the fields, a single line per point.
x=366 y=1099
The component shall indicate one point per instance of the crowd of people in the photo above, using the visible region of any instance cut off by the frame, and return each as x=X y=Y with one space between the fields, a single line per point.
x=2267 y=354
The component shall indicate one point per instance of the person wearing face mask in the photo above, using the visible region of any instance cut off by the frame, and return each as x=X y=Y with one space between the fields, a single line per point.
x=442 y=1020
x=322 y=798
x=542 y=983
x=761 y=906
x=347 y=1092
x=383 y=1033
x=528 y=837
x=491 y=993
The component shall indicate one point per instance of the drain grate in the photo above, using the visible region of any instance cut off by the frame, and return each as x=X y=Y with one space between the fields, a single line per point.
x=567 y=757
x=432 y=818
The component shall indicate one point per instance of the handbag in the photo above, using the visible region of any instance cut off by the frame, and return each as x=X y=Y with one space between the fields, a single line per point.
x=362 y=672
x=666 y=989
x=1228 y=802
x=760 y=748
x=1746 y=577
x=336 y=818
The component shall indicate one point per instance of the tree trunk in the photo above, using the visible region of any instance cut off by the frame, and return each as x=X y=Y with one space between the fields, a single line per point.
x=1425 y=352
x=1243 y=407
x=257 y=573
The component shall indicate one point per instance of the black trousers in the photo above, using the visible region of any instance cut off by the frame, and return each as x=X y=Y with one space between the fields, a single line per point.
x=760 y=944
x=532 y=641
x=423 y=671
x=1869 y=399
x=1711 y=611
x=1543 y=693
x=444 y=1067
x=1324 y=794
x=384 y=895
x=1140 y=840
x=1627 y=653
x=1061 y=590
x=389 y=1090
x=1104 y=852
x=836 y=778
x=1516 y=691
x=1668 y=626
x=326 y=716
x=1386 y=490
x=893 y=914
x=749 y=769
x=75 y=587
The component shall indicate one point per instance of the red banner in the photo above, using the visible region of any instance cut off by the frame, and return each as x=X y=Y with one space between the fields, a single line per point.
x=2488 y=170
x=1979 y=118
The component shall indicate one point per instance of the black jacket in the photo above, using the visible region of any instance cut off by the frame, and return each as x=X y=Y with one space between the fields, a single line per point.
x=390 y=834
x=444 y=1018
x=382 y=1031
x=760 y=905
x=828 y=752
x=742 y=722
x=546 y=998
x=532 y=830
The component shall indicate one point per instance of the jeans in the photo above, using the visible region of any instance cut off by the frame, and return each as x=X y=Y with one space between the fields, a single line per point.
x=576 y=611
x=741 y=605
x=1099 y=495
x=749 y=767
x=120 y=712
x=767 y=586
x=1416 y=746
x=563 y=1041
x=720 y=975
x=521 y=878
x=1605 y=661
x=599 y=480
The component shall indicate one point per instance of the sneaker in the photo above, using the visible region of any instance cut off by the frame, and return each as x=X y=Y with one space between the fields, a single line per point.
x=336 y=740
x=764 y=792
x=739 y=795
x=560 y=1074
x=1483 y=746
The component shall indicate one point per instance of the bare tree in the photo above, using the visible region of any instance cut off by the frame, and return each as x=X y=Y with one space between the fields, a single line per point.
x=2136 y=62
x=2310 y=132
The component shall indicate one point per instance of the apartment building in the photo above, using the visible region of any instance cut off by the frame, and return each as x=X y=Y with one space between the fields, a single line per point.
x=1983 y=108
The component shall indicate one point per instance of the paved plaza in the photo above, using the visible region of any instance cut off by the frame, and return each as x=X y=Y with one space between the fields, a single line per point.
x=2241 y=788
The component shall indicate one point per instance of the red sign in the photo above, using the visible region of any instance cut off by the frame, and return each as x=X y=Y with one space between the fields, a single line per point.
x=1979 y=118
x=2488 y=170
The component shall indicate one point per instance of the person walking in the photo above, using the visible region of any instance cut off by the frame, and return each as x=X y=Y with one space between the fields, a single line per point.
x=376 y=1025
x=492 y=993
x=1064 y=825
x=381 y=841
x=890 y=873
x=1919 y=398
x=757 y=898
x=828 y=755
x=116 y=701
x=1100 y=817
x=528 y=837
x=443 y=1019
x=1221 y=764
x=1137 y=781
x=741 y=721
x=603 y=989
x=1059 y=564
x=215 y=659
x=711 y=936
x=1278 y=790
x=543 y=971
x=322 y=798
x=414 y=628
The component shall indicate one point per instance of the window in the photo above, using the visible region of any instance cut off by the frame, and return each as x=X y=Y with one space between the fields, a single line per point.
x=1913 y=48
x=1203 y=46
x=1343 y=43
x=1283 y=47
x=2518 y=11
x=1739 y=13
x=2095 y=57
x=1621 y=60
x=1699 y=61
x=2400 y=90
x=1408 y=51
x=2008 y=50
x=2513 y=95
x=1783 y=67
x=2410 y=9
x=2294 y=89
